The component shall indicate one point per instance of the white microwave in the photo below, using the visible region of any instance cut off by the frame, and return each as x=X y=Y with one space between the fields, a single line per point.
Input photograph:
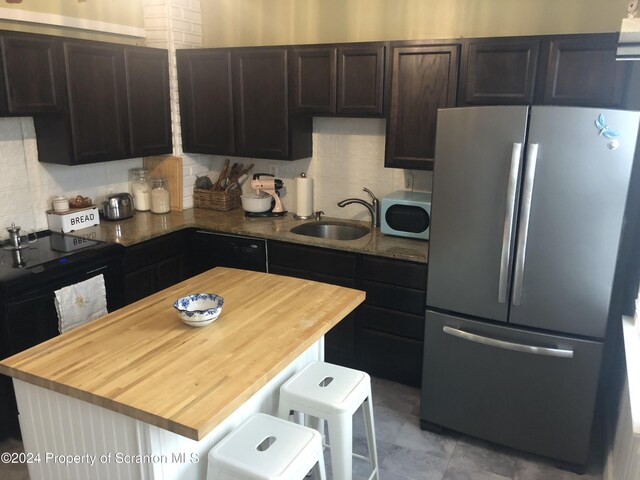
x=406 y=214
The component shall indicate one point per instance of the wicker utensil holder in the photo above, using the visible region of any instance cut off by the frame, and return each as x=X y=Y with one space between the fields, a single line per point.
x=221 y=201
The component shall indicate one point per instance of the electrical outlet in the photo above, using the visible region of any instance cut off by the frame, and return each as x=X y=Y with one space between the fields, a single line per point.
x=408 y=180
x=273 y=170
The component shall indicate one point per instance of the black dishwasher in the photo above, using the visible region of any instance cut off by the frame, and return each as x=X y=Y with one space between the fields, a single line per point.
x=28 y=279
x=208 y=250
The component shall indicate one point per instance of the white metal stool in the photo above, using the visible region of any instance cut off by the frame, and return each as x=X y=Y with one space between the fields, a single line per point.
x=267 y=448
x=333 y=393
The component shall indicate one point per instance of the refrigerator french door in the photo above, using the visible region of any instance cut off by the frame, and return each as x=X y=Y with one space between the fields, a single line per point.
x=527 y=213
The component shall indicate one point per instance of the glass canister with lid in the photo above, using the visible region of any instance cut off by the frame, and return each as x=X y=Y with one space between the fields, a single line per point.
x=140 y=189
x=160 y=198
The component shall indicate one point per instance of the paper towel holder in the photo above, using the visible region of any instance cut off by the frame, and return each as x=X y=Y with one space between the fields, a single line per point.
x=303 y=217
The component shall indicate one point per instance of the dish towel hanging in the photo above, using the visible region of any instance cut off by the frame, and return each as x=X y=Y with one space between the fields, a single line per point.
x=80 y=303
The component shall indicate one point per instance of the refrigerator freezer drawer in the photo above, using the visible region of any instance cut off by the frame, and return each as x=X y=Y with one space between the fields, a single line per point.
x=529 y=391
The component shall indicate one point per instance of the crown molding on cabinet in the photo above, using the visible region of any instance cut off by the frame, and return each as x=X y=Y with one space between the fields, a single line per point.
x=50 y=19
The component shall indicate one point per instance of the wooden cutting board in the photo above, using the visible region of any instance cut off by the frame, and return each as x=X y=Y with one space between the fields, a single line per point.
x=169 y=167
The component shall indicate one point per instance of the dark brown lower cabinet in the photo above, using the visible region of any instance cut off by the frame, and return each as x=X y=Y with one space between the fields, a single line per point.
x=389 y=344
x=321 y=265
x=389 y=356
x=384 y=336
x=390 y=323
x=154 y=265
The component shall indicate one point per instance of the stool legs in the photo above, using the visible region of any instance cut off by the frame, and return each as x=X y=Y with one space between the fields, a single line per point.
x=329 y=393
x=367 y=410
x=284 y=411
x=341 y=440
x=321 y=471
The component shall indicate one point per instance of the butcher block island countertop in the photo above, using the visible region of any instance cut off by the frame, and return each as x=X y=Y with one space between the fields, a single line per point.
x=144 y=362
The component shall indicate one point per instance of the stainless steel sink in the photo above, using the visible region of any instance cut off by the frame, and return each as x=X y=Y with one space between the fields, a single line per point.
x=331 y=230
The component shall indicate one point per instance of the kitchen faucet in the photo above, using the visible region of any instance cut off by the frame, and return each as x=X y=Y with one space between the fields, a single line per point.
x=373 y=207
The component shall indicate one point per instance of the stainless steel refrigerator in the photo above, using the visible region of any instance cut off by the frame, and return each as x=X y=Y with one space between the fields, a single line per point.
x=526 y=219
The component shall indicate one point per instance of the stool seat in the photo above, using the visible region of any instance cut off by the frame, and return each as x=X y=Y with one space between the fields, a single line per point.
x=332 y=393
x=328 y=388
x=266 y=447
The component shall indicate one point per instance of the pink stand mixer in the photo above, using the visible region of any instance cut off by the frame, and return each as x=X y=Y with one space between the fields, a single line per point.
x=265 y=182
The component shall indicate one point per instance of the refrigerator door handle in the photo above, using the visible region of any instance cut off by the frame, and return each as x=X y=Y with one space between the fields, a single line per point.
x=516 y=347
x=527 y=192
x=507 y=232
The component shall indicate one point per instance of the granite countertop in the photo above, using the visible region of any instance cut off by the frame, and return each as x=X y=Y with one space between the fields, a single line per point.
x=144 y=226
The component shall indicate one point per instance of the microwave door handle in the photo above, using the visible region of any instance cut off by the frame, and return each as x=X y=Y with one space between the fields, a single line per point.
x=523 y=232
x=507 y=231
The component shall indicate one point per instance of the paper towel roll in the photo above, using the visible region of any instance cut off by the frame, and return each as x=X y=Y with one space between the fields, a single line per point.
x=304 y=196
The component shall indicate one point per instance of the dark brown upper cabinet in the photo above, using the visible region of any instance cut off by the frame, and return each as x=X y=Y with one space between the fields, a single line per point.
x=261 y=102
x=238 y=102
x=97 y=101
x=32 y=74
x=206 y=101
x=498 y=71
x=315 y=80
x=582 y=70
x=148 y=104
x=339 y=80
x=360 y=80
x=117 y=105
x=265 y=123
x=424 y=78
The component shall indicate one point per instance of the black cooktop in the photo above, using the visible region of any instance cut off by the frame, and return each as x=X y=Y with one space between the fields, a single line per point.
x=52 y=251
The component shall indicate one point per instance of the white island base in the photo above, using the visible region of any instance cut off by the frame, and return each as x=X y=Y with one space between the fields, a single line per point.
x=66 y=438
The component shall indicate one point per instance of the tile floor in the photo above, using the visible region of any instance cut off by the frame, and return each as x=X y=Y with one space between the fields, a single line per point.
x=407 y=453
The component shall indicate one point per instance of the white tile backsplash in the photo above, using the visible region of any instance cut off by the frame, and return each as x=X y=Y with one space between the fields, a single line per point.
x=26 y=185
x=348 y=154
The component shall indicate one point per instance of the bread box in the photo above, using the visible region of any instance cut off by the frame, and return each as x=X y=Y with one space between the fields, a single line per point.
x=73 y=219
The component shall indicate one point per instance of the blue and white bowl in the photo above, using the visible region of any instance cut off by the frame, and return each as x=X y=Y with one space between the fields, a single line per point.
x=199 y=309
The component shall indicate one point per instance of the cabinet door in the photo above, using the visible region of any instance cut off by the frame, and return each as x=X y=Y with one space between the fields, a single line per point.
x=583 y=71
x=360 y=80
x=314 y=80
x=170 y=271
x=31 y=321
x=206 y=102
x=389 y=356
x=498 y=71
x=390 y=325
x=322 y=265
x=32 y=73
x=313 y=259
x=153 y=265
x=261 y=103
x=423 y=79
x=96 y=89
x=340 y=340
x=140 y=283
x=149 y=109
